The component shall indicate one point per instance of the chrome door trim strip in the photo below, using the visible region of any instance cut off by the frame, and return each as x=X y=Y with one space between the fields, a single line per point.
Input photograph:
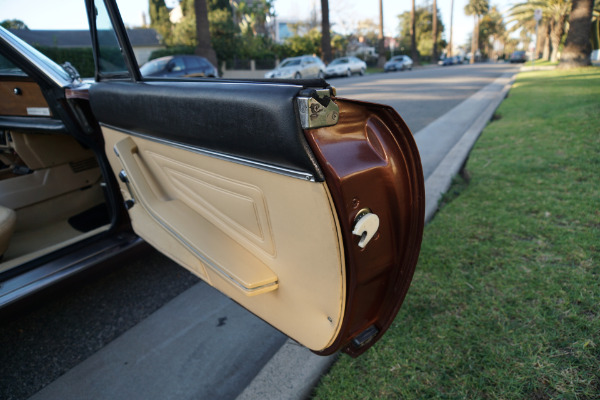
x=305 y=176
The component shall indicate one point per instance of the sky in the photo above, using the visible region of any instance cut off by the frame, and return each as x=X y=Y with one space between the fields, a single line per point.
x=343 y=14
x=348 y=12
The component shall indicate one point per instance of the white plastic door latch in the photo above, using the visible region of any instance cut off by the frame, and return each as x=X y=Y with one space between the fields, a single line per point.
x=366 y=225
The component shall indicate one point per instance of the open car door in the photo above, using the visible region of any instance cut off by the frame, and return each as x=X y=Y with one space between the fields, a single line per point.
x=304 y=208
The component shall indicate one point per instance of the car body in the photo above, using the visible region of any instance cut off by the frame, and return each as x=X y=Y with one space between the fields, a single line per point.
x=345 y=66
x=304 y=208
x=447 y=61
x=302 y=67
x=398 y=63
x=179 y=66
x=518 y=57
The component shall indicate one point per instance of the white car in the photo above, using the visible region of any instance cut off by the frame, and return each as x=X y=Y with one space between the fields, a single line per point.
x=346 y=66
x=298 y=68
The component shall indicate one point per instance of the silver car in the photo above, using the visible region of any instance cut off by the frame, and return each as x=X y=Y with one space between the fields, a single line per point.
x=398 y=63
x=298 y=68
x=346 y=66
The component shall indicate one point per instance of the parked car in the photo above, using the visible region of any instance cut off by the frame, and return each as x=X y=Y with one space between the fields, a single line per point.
x=446 y=61
x=287 y=199
x=345 y=66
x=298 y=68
x=398 y=63
x=179 y=66
x=518 y=57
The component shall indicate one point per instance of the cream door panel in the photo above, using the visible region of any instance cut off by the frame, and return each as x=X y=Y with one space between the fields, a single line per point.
x=237 y=208
x=268 y=241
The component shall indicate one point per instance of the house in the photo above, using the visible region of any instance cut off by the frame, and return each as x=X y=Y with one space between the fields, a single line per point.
x=143 y=40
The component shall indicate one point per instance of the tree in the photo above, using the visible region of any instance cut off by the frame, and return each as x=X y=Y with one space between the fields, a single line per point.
x=559 y=13
x=578 y=46
x=413 y=41
x=367 y=31
x=596 y=26
x=159 y=19
x=325 y=35
x=423 y=31
x=252 y=16
x=13 y=24
x=491 y=30
x=476 y=8
x=554 y=13
x=183 y=33
x=434 y=34
x=310 y=43
x=223 y=33
x=204 y=47
x=339 y=44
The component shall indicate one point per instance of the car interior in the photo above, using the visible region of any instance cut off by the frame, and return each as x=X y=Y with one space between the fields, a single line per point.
x=51 y=186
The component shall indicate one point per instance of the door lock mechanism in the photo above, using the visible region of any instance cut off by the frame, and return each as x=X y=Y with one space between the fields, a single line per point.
x=366 y=225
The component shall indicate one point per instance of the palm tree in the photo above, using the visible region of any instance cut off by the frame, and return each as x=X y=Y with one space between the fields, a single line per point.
x=554 y=13
x=492 y=31
x=325 y=35
x=578 y=47
x=204 y=47
x=476 y=8
x=434 y=34
x=523 y=15
x=544 y=40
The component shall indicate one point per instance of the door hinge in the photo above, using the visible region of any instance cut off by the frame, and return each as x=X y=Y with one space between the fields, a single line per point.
x=317 y=109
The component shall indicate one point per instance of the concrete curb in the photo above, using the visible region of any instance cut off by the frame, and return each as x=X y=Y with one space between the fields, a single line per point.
x=290 y=374
x=294 y=370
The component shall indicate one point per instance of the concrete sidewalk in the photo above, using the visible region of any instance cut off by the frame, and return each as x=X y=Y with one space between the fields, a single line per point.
x=146 y=362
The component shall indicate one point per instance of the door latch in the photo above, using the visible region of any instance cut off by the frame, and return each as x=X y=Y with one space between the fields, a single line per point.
x=316 y=108
x=366 y=225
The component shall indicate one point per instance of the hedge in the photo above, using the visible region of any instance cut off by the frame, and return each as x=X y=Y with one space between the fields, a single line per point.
x=82 y=58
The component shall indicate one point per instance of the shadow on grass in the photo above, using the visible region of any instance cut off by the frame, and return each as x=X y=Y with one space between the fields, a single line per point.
x=459 y=184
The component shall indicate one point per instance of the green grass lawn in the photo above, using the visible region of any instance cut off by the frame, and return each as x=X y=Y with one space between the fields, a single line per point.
x=374 y=70
x=505 y=302
x=541 y=63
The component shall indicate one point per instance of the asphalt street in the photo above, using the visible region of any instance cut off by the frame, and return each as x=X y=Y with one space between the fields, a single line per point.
x=67 y=331
x=422 y=95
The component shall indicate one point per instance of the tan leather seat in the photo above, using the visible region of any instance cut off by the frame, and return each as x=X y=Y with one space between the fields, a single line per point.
x=8 y=218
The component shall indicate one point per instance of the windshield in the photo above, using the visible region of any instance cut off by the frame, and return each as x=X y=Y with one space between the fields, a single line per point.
x=8 y=68
x=153 y=67
x=289 y=63
x=49 y=67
